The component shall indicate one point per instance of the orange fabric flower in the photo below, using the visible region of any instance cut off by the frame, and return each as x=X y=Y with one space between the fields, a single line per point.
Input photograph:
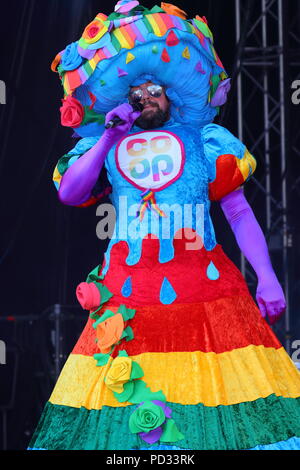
x=109 y=332
x=173 y=10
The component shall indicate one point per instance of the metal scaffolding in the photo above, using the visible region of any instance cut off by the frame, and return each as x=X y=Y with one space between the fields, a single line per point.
x=263 y=70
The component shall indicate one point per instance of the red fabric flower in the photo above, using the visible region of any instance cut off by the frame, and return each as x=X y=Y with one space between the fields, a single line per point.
x=88 y=296
x=72 y=112
x=93 y=31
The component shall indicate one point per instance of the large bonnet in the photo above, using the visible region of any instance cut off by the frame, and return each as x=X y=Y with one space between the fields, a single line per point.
x=134 y=45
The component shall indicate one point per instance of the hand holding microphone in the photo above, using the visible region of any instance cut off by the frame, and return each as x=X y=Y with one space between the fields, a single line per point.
x=79 y=180
x=119 y=121
x=121 y=115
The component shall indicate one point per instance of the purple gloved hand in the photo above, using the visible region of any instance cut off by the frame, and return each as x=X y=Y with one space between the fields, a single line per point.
x=220 y=96
x=78 y=181
x=270 y=297
x=126 y=113
x=249 y=236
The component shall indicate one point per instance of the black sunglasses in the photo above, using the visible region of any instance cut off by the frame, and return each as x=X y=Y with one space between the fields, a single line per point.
x=153 y=90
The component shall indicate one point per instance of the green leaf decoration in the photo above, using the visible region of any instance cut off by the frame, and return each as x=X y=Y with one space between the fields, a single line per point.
x=122 y=309
x=157 y=9
x=107 y=314
x=128 y=391
x=94 y=315
x=215 y=83
x=91 y=116
x=127 y=334
x=115 y=16
x=104 y=293
x=123 y=353
x=93 y=275
x=127 y=313
x=204 y=29
x=63 y=164
x=136 y=371
x=130 y=334
x=105 y=296
x=143 y=393
x=102 y=359
x=171 y=432
x=60 y=70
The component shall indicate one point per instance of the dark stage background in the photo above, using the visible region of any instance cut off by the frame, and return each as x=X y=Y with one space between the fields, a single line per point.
x=47 y=249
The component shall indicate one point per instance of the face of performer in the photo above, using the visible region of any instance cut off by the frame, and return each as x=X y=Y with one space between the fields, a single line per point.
x=156 y=105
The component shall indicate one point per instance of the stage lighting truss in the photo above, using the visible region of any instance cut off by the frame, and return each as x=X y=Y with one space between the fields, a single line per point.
x=266 y=65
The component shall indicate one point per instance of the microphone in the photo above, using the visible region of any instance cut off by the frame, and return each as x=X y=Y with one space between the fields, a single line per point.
x=116 y=121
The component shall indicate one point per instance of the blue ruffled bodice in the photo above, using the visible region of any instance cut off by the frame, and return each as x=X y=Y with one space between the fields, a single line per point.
x=185 y=201
x=180 y=168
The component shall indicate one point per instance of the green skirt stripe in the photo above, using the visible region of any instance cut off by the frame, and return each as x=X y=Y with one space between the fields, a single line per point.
x=242 y=426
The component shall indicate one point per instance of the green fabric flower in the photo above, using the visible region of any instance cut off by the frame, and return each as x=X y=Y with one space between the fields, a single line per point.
x=152 y=421
x=146 y=418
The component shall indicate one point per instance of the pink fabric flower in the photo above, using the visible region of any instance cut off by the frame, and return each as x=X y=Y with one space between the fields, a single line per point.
x=88 y=296
x=72 y=112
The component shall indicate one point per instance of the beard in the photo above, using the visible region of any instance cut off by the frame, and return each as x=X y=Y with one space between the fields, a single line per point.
x=152 y=118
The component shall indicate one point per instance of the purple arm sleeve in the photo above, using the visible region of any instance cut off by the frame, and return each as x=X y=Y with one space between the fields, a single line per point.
x=78 y=181
x=250 y=238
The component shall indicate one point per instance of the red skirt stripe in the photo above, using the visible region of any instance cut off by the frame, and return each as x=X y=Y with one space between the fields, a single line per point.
x=218 y=326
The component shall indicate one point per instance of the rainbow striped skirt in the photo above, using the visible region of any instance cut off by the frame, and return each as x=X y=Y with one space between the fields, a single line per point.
x=177 y=356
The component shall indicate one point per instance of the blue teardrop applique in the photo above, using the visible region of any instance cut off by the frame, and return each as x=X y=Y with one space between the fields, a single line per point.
x=127 y=287
x=212 y=272
x=166 y=251
x=167 y=293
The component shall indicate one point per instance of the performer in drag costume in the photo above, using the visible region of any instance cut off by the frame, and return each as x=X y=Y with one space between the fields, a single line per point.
x=175 y=353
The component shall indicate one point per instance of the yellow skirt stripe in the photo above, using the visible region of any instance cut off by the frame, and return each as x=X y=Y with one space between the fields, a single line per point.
x=187 y=378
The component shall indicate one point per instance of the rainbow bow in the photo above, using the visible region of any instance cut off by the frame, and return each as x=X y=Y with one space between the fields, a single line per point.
x=148 y=200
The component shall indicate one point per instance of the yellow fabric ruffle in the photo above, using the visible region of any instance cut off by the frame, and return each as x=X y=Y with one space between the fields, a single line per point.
x=57 y=176
x=247 y=164
x=187 y=378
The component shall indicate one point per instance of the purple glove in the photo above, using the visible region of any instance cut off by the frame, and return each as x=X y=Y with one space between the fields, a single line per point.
x=78 y=181
x=249 y=236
